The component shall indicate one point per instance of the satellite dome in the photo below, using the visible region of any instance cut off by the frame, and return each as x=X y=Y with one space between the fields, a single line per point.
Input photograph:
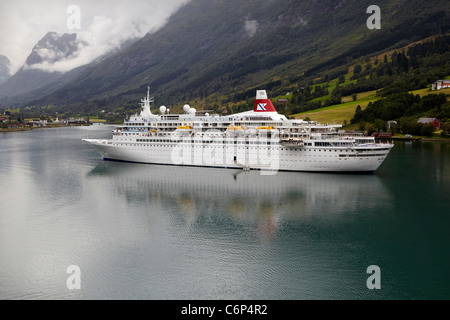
x=163 y=109
x=186 y=108
x=192 y=111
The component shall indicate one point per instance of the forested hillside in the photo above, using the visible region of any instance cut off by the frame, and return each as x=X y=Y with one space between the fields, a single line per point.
x=214 y=54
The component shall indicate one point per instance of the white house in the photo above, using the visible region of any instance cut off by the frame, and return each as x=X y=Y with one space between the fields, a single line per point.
x=440 y=84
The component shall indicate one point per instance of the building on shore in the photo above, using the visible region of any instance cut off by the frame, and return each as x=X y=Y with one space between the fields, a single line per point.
x=430 y=120
x=440 y=84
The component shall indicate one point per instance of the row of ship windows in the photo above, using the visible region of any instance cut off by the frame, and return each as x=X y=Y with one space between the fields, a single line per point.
x=205 y=141
x=269 y=148
x=342 y=156
x=334 y=144
x=308 y=144
x=362 y=155
x=138 y=126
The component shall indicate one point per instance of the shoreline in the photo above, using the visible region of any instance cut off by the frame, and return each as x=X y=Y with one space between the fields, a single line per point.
x=447 y=140
x=20 y=129
x=418 y=139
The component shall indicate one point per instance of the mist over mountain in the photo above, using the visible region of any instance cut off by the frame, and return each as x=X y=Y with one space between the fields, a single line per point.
x=4 y=68
x=212 y=49
x=53 y=48
x=37 y=77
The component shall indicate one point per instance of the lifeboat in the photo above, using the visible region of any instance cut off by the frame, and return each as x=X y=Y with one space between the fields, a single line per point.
x=184 y=130
x=292 y=142
x=235 y=130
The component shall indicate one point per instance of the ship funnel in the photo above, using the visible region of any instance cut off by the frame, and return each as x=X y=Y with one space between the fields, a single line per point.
x=261 y=94
x=262 y=103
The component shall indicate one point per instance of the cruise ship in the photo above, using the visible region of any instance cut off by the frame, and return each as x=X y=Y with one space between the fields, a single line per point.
x=260 y=139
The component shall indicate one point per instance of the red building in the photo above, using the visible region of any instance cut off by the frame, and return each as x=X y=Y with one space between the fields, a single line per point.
x=382 y=135
x=430 y=120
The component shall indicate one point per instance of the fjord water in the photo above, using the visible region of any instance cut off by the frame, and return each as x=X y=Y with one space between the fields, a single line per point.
x=141 y=231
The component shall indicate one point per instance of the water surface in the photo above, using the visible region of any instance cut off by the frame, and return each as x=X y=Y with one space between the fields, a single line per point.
x=141 y=231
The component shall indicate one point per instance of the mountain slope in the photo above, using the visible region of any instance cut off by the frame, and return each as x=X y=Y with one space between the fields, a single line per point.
x=214 y=48
x=36 y=78
x=53 y=47
x=4 y=68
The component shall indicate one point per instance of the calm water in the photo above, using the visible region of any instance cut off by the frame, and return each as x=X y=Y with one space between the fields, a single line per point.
x=161 y=232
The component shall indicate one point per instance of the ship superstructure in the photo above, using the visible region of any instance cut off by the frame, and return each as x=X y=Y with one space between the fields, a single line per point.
x=257 y=139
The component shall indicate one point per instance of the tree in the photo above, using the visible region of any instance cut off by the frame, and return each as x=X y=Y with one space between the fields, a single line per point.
x=357 y=116
x=362 y=126
x=428 y=129
x=354 y=97
x=445 y=129
x=370 y=129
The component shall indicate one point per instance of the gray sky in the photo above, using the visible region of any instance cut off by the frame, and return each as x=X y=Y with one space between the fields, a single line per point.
x=104 y=25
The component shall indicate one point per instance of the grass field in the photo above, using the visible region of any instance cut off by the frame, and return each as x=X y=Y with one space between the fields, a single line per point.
x=97 y=120
x=344 y=112
x=424 y=92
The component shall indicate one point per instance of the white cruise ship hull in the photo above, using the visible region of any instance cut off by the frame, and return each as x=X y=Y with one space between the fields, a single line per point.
x=271 y=159
x=261 y=139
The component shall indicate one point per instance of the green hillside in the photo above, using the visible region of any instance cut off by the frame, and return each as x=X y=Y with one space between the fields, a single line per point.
x=206 y=54
x=214 y=55
x=399 y=84
x=344 y=112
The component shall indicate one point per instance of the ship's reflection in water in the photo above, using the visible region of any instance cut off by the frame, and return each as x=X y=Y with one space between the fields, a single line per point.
x=264 y=204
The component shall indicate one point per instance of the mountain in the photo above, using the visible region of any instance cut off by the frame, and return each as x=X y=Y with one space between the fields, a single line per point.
x=5 y=64
x=33 y=77
x=38 y=77
x=221 y=50
x=53 y=47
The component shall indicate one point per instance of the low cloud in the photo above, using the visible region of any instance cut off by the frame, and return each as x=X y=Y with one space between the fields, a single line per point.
x=104 y=26
x=251 y=27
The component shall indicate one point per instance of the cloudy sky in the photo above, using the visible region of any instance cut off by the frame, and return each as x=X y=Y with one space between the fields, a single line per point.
x=103 y=25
